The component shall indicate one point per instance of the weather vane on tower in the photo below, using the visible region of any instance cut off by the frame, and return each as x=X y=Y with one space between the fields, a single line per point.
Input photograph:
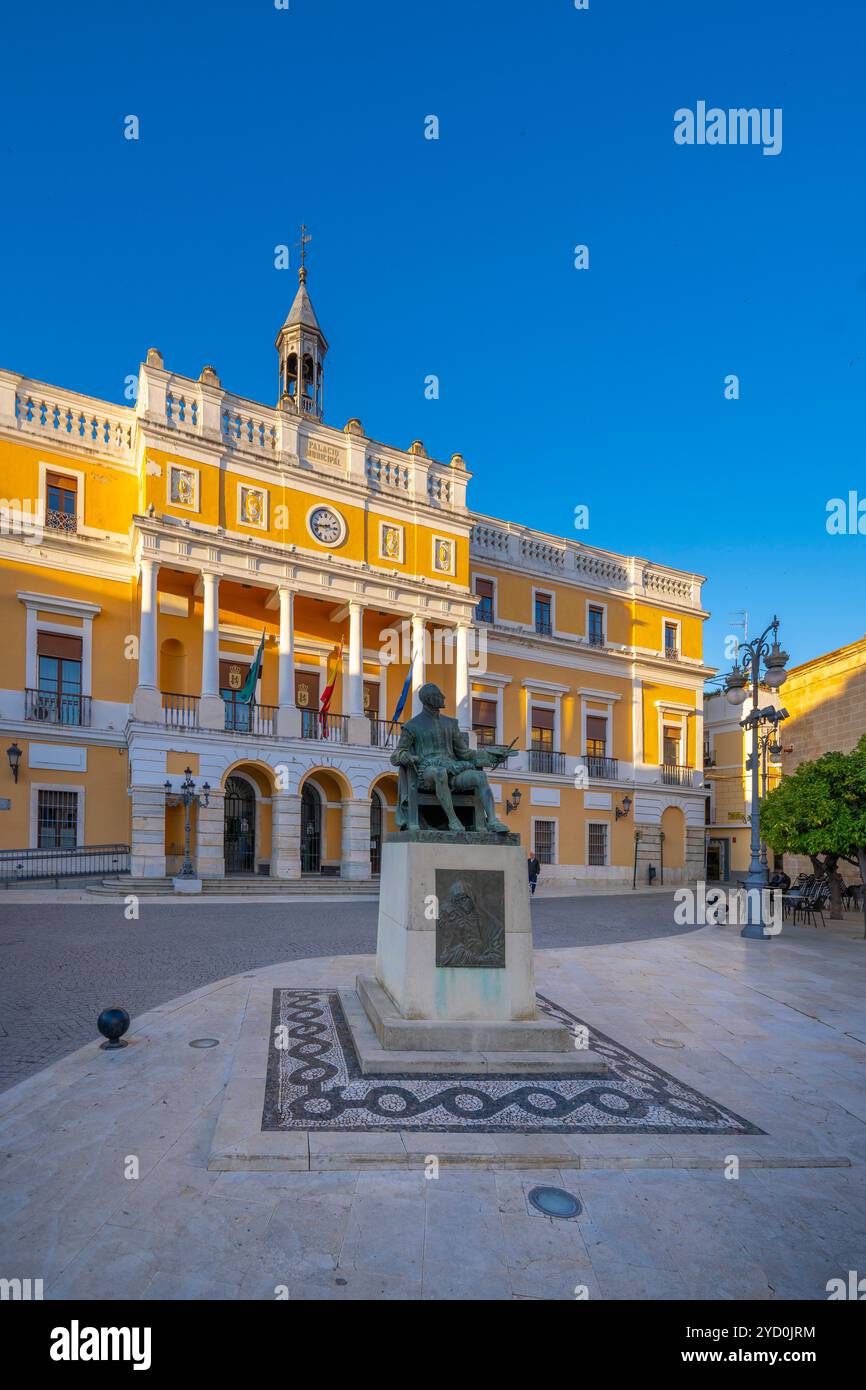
x=302 y=273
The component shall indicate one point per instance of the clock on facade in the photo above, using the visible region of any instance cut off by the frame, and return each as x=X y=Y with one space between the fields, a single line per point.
x=326 y=526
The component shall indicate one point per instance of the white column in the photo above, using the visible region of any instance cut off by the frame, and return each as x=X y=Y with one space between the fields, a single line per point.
x=461 y=678
x=360 y=729
x=288 y=717
x=698 y=779
x=147 y=848
x=147 y=701
x=286 y=659
x=356 y=658
x=211 y=708
x=147 y=633
x=418 y=669
x=210 y=666
x=355 y=840
x=285 y=835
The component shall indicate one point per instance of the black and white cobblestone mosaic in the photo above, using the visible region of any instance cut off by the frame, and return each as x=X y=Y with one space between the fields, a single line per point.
x=315 y=1083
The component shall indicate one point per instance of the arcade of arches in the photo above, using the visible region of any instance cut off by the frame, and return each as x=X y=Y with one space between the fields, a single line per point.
x=252 y=827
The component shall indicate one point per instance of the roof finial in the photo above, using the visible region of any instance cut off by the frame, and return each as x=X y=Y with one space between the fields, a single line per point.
x=302 y=273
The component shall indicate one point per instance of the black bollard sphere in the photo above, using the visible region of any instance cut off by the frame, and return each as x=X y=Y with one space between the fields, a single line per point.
x=112 y=1024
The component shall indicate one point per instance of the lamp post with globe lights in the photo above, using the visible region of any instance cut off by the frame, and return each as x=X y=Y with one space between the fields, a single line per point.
x=744 y=679
x=188 y=797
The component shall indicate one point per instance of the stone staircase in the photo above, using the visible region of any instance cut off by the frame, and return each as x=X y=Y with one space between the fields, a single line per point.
x=239 y=885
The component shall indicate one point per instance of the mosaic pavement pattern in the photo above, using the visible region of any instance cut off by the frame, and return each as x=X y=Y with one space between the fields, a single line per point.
x=315 y=1083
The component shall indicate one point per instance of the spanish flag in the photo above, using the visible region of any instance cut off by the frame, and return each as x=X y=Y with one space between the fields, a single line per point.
x=325 y=700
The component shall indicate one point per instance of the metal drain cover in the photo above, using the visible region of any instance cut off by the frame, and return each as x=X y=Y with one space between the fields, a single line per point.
x=205 y=1042
x=555 y=1201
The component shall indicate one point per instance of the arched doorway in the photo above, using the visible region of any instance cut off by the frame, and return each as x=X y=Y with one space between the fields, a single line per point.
x=240 y=826
x=311 y=830
x=673 y=826
x=377 y=818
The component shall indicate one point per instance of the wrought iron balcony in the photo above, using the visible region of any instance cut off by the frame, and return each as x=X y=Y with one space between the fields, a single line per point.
x=53 y=707
x=180 y=711
x=383 y=733
x=61 y=521
x=258 y=720
x=602 y=767
x=544 y=627
x=334 y=729
x=676 y=774
x=545 y=760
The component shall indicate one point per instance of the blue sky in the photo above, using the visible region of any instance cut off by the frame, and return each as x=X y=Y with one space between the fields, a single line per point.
x=455 y=257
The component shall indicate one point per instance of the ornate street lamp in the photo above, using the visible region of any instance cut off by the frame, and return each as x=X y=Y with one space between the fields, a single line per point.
x=187 y=796
x=13 y=753
x=744 y=679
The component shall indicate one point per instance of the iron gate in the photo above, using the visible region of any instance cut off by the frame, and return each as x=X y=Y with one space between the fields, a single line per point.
x=240 y=827
x=311 y=831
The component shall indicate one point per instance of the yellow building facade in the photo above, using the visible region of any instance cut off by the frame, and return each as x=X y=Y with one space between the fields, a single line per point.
x=147 y=552
x=729 y=783
x=825 y=701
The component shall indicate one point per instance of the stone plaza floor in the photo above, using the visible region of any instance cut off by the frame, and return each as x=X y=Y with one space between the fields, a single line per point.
x=774 y=1031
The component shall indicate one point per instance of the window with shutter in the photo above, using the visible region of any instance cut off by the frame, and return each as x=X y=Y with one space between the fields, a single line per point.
x=484 y=720
x=596 y=736
x=542 y=729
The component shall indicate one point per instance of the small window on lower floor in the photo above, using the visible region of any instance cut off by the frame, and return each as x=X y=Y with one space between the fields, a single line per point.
x=596 y=843
x=57 y=820
x=544 y=839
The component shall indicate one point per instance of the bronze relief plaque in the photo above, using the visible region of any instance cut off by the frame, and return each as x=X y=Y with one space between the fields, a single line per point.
x=470 y=927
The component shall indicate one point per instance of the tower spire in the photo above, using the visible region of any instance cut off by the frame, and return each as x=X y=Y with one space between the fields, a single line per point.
x=302 y=346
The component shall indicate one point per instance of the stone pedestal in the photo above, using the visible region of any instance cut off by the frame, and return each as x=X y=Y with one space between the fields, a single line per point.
x=455 y=987
x=212 y=712
x=288 y=721
x=186 y=885
x=430 y=894
x=147 y=705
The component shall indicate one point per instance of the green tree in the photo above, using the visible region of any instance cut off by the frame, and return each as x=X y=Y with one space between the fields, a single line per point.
x=820 y=811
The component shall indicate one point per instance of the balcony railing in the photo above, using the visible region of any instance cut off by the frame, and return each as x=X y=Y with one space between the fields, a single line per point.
x=484 y=611
x=180 y=711
x=335 y=729
x=258 y=720
x=60 y=521
x=672 y=653
x=19 y=865
x=544 y=627
x=602 y=767
x=676 y=775
x=384 y=734
x=595 y=639
x=543 y=760
x=53 y=707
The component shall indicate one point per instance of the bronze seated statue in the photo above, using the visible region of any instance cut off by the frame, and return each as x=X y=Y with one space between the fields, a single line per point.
x=436 y=764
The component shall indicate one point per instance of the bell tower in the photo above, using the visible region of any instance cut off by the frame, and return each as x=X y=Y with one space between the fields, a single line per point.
x=302 y=346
